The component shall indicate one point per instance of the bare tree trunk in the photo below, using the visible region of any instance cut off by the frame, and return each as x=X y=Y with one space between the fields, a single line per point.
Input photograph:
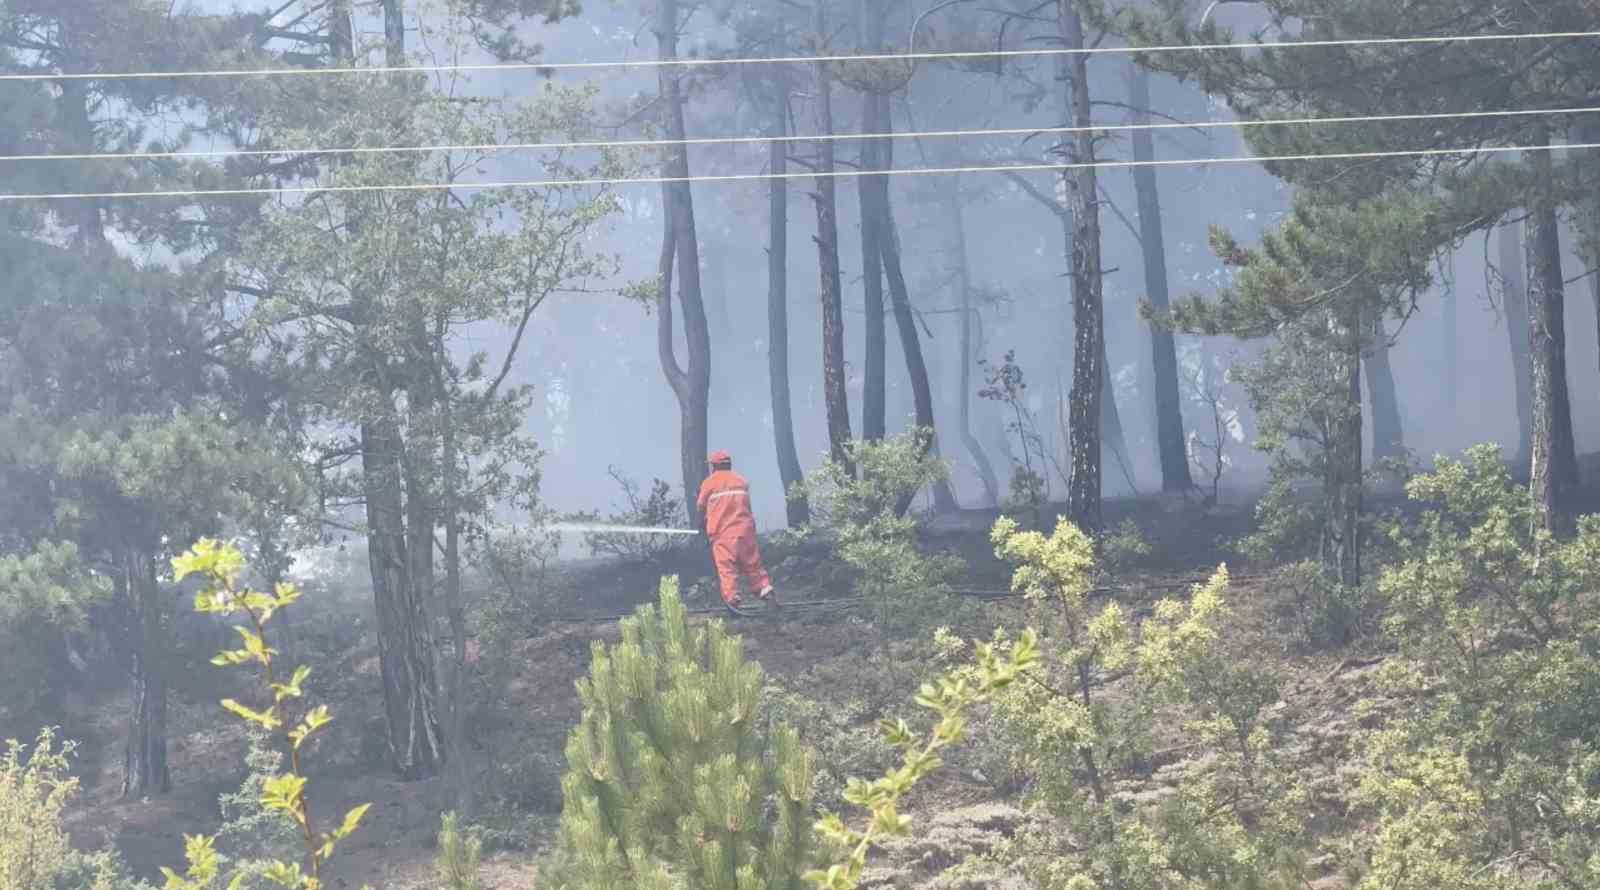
x=1163 y=352
x=911 y=346
x=833 y=381
x=963 y=280
x=1515 y=294
x=1342 y=486
x=145 y=770
x=797 y=510
x=1452 y=364
x=871 y=191
x=1088 y=365
x=1554 y=466
x=1388 y=442
x=693 y=384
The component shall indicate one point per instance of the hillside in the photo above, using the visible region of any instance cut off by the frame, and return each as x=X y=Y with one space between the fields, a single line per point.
x=527 y=703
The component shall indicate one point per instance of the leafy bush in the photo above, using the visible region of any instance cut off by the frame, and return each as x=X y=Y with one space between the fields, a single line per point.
x=1489 y=774
x=908 y=588
x=950 y=698
x=36 y=785
x=1235 y=819
x=1322 y=612
x=1122 y=547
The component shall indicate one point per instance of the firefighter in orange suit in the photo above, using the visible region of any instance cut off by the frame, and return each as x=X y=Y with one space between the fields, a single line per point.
x=730 y=524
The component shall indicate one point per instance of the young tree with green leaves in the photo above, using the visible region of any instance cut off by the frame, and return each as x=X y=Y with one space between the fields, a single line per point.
x=673 y=776
x=383 y=307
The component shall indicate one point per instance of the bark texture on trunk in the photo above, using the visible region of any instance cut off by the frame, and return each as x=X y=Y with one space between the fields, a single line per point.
x=1515 y=295
x=1554 y=466
x=1170 y=443
x=405 y=646
x=963 y=282
x=1388 y=439
x=144 y=765
x=691 y=384
x=796 y=509
x=835 y=395
x=1088 y=364
x=1342 y=484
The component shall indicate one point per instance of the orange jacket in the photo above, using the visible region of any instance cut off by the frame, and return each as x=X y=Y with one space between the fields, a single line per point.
x=724 y=503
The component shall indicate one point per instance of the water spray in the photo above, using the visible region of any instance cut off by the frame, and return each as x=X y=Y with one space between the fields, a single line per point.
x=589 y=528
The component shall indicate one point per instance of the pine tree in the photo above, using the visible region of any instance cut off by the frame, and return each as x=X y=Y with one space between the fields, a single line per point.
x=672 y=780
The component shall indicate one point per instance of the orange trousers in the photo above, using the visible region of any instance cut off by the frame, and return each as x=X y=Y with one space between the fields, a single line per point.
x=736 y=554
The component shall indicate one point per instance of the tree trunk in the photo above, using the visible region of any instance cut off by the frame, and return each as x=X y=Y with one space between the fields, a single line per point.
x=1388 y=441
x=944 y=499
x=871 y=192
x=826 y=198
x=963 y=279
x=450 y=505
x=1088 y=364
x=1554 y=467
x=693 y=384
x=461 y=778
x=797 y=510
x=145 y=769
x=1170 y=443
x=1342 y=484
x=405 y=647
x=1452 y=369
x=1515 y=295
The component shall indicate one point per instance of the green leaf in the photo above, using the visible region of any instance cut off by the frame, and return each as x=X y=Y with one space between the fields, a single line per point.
x=262 y=718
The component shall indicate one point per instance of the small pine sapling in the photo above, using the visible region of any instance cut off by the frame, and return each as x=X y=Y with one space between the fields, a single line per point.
x=671 y=780
x=460 y=853
x=220 y=565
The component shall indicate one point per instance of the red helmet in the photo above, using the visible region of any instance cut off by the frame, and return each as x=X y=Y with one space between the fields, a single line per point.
x=720 y=457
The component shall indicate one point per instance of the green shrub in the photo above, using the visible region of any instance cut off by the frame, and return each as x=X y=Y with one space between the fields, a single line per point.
x=949 y=698
x=673 y=779
x=251 y=836
x=459 y=856
x=907 y=588
x=36 y=785
x=1235 y=819
x=1487 y=776
x=1322 y=612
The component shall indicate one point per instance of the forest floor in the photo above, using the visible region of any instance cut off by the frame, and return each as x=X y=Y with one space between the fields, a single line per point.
x=529 y=703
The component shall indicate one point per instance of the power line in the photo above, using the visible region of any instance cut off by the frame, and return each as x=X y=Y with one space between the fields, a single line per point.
x=745 y=177
x=765 y=140
x=774 y=60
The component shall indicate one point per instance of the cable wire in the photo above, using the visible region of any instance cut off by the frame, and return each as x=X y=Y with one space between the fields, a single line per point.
x=767 y=140
x=775 y=60
x=835 y=174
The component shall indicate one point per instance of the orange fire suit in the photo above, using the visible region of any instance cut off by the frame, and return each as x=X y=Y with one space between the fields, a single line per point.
x=724 y=503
